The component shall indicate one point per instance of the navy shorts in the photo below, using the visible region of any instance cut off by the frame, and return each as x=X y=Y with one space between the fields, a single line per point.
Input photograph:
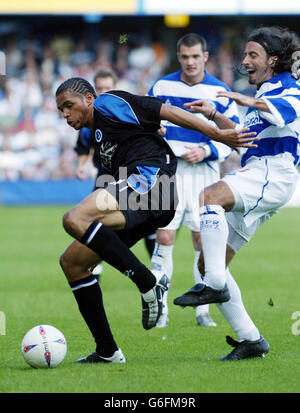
x=148 y=200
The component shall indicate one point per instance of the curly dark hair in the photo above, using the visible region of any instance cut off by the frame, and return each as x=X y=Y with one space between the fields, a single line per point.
x=77 y=85
x=280 y=42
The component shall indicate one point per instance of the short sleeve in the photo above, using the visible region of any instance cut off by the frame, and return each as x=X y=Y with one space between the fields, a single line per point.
x=125 y=107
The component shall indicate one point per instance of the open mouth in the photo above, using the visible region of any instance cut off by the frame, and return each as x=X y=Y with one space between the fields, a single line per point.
x=251 y=71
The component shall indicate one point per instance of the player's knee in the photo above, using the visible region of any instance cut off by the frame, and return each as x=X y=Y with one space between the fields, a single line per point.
x=63 y=261
x=206 y=197
x=67 y=222
x=164 y=238
x=70 y=223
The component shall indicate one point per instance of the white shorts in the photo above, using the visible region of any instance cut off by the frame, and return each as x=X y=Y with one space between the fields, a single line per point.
x=191 y=179
x=260 y=190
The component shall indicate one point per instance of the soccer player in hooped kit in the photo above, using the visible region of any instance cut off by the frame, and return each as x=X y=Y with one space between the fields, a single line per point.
x=198 y=156
x=137 y=196
x=236 y=206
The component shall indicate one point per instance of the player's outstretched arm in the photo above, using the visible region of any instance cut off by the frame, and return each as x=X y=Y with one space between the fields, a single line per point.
x=244 y=100
x=231 y=137
x=204 y=107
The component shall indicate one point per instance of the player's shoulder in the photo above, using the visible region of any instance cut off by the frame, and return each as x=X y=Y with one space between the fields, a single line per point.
x=281 y=83
x=110 y=95
x=294 y=83
x=287 y=80
x=85 y=132
x=112 y=98
x=212 y=80
x=172 y=77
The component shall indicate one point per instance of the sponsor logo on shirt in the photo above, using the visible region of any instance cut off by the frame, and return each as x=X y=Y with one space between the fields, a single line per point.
x=252 y=119
x=107 y=151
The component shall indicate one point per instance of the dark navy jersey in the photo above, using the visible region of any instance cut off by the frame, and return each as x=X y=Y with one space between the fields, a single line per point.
x=125 y=132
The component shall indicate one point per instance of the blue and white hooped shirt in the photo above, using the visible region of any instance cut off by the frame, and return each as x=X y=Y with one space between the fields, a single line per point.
x=278 y=130
x=172 y=90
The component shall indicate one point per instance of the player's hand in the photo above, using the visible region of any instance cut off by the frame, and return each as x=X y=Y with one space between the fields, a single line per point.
x=162 y=130
x=242 y=100
x=80 y=172
x=200 y=106
x=194 y=155
x=238 y=138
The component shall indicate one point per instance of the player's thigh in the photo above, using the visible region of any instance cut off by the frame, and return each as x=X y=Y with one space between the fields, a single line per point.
x=97 y=203
x=99 y=206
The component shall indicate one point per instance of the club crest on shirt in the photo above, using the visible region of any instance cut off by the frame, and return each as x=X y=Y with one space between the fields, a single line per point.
x=98 y=135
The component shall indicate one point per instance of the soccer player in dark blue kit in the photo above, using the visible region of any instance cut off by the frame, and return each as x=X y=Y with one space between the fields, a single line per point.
x=137 y=196
x=104 y=80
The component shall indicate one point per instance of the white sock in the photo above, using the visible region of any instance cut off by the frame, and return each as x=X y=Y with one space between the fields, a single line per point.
x=162 y=261
x=214 y=234
x=236 y=314
x=200 y=309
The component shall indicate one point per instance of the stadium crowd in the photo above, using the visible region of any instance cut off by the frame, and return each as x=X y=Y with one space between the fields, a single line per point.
x=35 y=142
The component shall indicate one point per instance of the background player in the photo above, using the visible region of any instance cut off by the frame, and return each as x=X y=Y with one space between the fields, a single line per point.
x=198 y=156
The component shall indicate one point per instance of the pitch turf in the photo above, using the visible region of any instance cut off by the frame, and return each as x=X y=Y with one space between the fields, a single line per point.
x=182 y=358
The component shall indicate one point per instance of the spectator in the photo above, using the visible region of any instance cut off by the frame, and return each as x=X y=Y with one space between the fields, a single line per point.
x=36 y=66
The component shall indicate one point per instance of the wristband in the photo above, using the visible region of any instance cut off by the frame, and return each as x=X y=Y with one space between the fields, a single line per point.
x=212 y=115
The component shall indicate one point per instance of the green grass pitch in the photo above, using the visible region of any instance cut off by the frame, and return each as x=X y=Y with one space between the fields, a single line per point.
x=182 y=358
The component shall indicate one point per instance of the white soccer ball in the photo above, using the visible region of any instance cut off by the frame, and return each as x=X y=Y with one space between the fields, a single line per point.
x=44 y=346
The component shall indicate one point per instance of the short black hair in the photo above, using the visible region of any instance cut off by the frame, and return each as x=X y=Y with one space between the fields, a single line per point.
x=191 y=39
x=77 y=85
x=104 y=73
x=280 y=42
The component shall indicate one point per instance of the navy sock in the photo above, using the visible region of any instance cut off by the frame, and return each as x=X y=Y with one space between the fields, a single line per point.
x=150 y=244
x=89 y=299
x=106 y=243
